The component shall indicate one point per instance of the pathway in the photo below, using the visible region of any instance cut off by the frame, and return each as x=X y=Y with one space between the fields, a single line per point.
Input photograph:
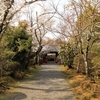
x=48 y=85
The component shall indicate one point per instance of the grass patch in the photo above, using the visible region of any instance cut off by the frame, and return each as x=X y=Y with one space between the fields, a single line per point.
x=30 y=73
x=84 y=89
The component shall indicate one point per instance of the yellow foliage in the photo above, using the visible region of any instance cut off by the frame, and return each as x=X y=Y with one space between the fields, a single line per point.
x=84 y=89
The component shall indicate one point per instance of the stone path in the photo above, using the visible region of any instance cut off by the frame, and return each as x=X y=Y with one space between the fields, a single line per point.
x=48 y=85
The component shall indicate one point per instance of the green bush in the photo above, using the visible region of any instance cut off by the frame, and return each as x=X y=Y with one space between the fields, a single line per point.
x=67 y=55
x=96 y=66
x=15 y=47
x=79 y=63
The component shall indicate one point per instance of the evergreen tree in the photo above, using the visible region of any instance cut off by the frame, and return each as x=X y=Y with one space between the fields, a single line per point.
x=16 y=44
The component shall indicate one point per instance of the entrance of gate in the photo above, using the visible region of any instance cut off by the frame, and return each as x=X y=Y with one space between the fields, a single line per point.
x=50 y=54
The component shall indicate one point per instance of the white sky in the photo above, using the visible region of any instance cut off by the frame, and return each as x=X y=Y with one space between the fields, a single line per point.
x=47 y=4
x=61 y=4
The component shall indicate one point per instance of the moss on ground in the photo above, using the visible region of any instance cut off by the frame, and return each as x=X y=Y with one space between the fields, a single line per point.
x=84 y=89
x=29 y=74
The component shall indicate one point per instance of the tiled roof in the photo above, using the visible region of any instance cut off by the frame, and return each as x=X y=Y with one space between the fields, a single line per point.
x=50 y=48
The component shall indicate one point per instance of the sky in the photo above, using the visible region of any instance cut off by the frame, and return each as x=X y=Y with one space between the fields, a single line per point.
x=48 y=4
x=60 y=4
x=36 y=8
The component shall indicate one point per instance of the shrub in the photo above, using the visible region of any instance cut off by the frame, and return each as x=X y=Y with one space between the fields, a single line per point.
x=79 y=63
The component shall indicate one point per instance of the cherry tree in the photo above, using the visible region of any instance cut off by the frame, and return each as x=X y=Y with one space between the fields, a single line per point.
x=79 y=25
x=8 y=9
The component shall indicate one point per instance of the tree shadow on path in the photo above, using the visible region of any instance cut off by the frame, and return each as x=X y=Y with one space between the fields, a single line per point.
x=14 y=96
x=49 y=84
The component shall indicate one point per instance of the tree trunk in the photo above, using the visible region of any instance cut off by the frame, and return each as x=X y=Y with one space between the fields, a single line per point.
x=86 y=65
x=36 y=59
x=27 y=61
x=36 y=53
x=70 y=66
x=1 y=73
x=77 y=68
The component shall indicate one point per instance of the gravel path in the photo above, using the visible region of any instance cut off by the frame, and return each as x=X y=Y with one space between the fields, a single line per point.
x=49 y=84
